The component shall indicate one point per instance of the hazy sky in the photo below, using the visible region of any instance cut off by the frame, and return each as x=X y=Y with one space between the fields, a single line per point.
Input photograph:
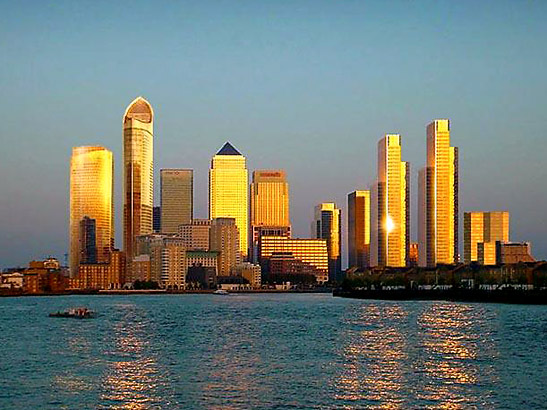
x=308 y=86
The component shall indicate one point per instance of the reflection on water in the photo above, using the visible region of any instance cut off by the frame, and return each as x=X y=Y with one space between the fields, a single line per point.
x=391 y=359
x=271 y=351
x=131 y=378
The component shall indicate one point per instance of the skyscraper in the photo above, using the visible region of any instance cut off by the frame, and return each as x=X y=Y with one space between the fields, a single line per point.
x=228 y=191
x=359 y=229
x=177 y=197
x=91 y=195
x=327 y=225
x=481 y=231
x=390 y=244
x=438 y=202
x=156 y=219
x=138 y=175
x=269 y=203
x=88 y=240
x=224 y=238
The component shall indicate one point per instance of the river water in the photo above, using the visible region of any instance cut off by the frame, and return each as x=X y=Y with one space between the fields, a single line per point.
x=270 y=351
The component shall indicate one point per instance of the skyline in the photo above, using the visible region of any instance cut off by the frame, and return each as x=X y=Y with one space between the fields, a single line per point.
x=329 y=111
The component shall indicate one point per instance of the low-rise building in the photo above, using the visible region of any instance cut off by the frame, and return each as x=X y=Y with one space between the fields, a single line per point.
x=110 y=275
x=251 y=272
x=513 y=252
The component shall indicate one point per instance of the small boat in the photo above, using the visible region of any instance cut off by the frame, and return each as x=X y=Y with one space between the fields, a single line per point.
x=77 y=313
x=220 y=292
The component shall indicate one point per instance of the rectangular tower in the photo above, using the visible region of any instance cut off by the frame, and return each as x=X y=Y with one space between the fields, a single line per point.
x=177 y=198
x=391 y=196
x=269 y=203
x=438 y=222
x=359 y=229
x=481 y=231
x=228 y=191
x=327 y=224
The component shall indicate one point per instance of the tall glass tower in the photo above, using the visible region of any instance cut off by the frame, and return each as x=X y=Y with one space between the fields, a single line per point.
x=138 y=175
x=391 y=206
x=91 y=199
x=177 y=198
x=228 y=191
x=359 y=229
x=438 y=199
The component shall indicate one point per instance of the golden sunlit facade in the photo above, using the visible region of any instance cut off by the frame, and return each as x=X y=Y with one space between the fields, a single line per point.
x=228 y=191
x=484 y=228
x=224 y=238
x=91 y=195
x=269 y=204
x=177 y=197
x=327 y=225
x=438 y=203
x=359 y=229
x=312 y=252
x=391 y=207
x=138 y=175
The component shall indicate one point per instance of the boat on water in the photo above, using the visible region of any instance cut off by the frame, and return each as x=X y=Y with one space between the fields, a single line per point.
x=77 y=313
x=220 y=292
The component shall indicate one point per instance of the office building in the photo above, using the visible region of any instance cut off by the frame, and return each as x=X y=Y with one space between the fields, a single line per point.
x=88 y=240
x=156 y=219
x=102 y=275
x=513 y=252
x=438 y=198
x=138 y=175
x=196 y=234
x=251 y=272
x=91 y=196
x=359 y=229
x=224 y=238
x=390 y=241
x=269 y=203
x=484 y=228
x=228 y=191
x=177 y=197
x=327 y=225
x=299 y=256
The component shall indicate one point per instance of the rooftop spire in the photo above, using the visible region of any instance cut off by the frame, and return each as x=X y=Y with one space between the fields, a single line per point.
x=228 y=149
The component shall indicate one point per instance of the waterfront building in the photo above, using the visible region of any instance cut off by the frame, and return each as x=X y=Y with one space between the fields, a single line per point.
x=228 y=191
x=177 y=198
x=224 y=238
x=168 y=261
x=44 y=276
x=438 y=198
x=205 y=259
x=260 y=231
x=101 y=275
x=359 y=229
x=251 y=272
x=513 y=252
x=390 y=198
x=138 y=175
x=327 y=225
x=91 y=196
x=196 y=234
x=156 y=219
x=485 y=228
x=141 y=268
x=269 y=203
x=306 y=256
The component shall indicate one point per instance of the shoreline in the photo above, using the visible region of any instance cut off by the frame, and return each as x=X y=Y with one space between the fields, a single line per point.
x=507 y=295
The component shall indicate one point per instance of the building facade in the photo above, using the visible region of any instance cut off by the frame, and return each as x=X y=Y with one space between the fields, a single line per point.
x=310 y=254
x=106 y=275
x=196 y=234
x=327 y=225
x=177 y=198
x=485 y=228
x=390 y=242
x=269 y=203
x=438 y=198
x=228 y=191
x=224 y=239
x=91 y=196
x=138 y=175
x=359 y=229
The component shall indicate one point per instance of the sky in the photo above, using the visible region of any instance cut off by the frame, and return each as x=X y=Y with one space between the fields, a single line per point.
x=307 y=86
